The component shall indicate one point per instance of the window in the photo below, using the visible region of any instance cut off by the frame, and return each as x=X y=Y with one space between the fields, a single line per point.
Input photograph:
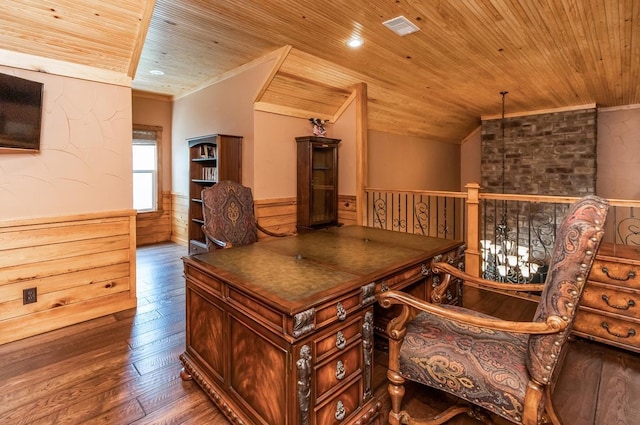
x=146 y=163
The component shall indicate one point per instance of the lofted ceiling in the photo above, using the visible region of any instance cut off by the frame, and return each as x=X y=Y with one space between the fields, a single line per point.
x=435 y=83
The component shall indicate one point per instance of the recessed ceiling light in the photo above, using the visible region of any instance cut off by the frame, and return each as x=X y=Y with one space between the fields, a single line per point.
x=156 y=72
x=355 y=42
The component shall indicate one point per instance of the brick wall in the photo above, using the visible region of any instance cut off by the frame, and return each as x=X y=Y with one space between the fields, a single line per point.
x=546 y=154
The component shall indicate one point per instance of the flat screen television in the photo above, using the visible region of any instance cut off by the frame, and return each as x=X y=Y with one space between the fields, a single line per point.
x=20 y=113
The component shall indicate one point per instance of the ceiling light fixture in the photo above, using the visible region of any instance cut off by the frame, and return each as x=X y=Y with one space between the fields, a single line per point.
x=156 y=72
x=355 y=42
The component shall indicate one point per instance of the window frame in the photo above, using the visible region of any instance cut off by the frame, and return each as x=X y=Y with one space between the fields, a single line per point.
x=141 y=129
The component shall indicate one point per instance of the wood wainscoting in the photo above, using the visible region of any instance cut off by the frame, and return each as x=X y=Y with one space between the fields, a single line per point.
x=276 y=215
x=179 y=218
x=153 y=227
x=81 y=267
x=347 y=213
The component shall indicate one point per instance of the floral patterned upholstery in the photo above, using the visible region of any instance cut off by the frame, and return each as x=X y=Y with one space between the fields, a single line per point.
x=228 y=214
x=484 y=367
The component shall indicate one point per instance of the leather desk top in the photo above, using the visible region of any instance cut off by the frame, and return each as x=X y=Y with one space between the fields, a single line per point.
x=295 y=273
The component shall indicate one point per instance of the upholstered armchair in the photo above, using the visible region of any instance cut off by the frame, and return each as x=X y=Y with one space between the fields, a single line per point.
x=229 y=218
x=503 y=367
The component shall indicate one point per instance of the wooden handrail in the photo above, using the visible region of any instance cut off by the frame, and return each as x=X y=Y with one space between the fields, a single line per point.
x=472 y=199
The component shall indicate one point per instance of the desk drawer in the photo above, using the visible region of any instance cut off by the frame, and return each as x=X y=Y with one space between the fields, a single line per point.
x=338 y=339
x=612 y=299
x=339 y=408
x=402 y=279
x=615 y=329
x=337 y=370
x=339 y=310
x=616 y=273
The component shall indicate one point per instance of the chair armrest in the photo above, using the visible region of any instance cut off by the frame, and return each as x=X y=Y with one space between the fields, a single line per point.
x=218 y=242
x=554 y=324
x=277 y=235
x=457 y=273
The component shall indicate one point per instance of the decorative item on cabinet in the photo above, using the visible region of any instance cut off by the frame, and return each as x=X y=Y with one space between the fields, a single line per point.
x=211 y=158
x=317 y=183
x=319 y=129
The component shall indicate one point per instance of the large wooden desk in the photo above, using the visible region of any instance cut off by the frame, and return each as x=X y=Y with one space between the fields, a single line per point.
x=281 y=332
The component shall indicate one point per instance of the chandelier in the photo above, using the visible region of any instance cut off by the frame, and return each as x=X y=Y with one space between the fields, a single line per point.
x=503 y=259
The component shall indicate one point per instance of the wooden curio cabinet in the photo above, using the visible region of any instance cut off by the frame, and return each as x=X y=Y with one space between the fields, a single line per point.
x=212 y=159
x=317 y=203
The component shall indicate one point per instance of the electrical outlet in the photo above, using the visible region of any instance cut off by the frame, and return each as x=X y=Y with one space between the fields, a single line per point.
x=29 y=295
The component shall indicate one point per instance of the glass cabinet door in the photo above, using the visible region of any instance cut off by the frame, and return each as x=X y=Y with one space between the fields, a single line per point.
x=317 y=183
x=323 y=183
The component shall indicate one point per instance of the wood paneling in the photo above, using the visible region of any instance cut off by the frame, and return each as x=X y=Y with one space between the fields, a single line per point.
x=434 y=83
x=81 y=266
x=277 y=215
x=347 y=210
x=107 y=35
x=179 y=218
x=155 y=226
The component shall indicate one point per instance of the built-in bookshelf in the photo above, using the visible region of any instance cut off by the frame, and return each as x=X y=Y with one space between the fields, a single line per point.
x=212 y=158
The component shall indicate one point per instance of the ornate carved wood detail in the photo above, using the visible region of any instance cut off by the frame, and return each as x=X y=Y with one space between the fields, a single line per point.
x=369 y=293
x=441 y=293
x=370 y=415
x=304 y=383
x=367 y=348
x=225 y=408
x=304 y=322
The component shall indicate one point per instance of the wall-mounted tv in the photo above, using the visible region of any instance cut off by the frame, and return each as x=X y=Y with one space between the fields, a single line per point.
x=20 y=113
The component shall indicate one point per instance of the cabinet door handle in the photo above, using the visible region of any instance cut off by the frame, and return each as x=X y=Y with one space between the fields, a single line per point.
x=630 y=275
x=630 y=332
x=341 y=342
x=340 y=370
x=630 y=303
x=342 y=313
x=341 y=412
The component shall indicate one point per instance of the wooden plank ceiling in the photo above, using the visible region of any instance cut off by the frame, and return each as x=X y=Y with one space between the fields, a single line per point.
x=435 y=83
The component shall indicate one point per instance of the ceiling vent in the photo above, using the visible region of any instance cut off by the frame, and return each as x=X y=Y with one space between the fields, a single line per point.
x=401 y=25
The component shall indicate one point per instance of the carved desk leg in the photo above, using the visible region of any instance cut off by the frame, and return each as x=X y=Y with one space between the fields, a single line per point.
x=185 y=375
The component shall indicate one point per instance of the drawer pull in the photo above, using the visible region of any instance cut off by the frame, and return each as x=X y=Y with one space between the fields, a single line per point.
x=342 y=313
x=630 y=275
x=340 y=411
x=341 y=342
x=630 y=303
x=340 y=370
x=629 y=334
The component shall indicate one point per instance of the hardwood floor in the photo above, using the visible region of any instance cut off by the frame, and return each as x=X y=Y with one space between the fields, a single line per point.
x=124 y=368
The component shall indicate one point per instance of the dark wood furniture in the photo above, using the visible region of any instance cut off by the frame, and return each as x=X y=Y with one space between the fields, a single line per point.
x=229 y=218
x=282 y=331
x=610 y=308
x=317 y=183
x=212 y=158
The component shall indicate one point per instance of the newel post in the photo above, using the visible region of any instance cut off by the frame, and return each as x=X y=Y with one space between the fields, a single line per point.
x=473 y=254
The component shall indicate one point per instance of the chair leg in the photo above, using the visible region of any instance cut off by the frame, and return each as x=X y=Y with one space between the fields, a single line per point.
x=396 y=393
x=549 y=409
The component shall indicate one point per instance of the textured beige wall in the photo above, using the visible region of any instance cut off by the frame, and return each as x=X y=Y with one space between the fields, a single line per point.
x=470 y=159
x=404 y=162
x=618 y=155
x=275 y=152
x=84 y=163
x=225 y=107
